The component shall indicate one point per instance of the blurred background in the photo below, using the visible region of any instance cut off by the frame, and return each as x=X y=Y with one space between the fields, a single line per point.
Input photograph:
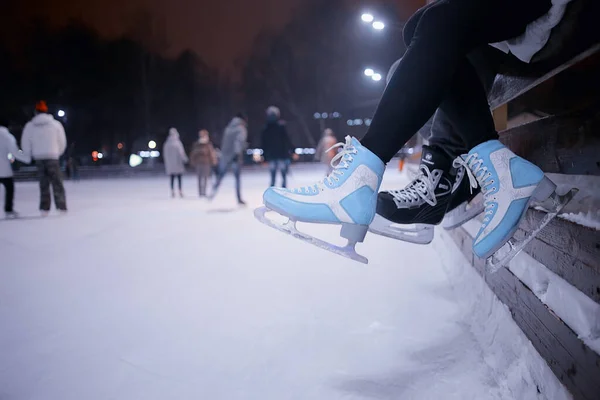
x=119 y=74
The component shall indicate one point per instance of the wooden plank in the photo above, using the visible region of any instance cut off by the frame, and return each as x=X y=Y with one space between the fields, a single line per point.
x=574 y=364
x=569 y=250
x=507 y=87
x=500 y=116
x=566 y=144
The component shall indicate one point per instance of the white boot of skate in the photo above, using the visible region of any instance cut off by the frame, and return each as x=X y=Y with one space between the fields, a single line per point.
x=346 y=197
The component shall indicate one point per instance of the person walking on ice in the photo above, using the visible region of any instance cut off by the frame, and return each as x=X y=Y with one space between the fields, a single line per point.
x=434 y=73
x=203 y=157
x=175 y=160
x=8 y=153
x=232 y=152
x=44 y=140
x=276 y=144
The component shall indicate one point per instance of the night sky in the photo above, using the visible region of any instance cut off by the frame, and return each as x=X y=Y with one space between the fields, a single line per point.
x=218 y=30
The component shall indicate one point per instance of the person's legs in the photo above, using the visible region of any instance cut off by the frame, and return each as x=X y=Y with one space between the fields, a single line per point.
x=443 y=35
x=273 y=171
x=9 y=193
x=58 y=188
x=44 y=185
x=179 y=182
x=238 y=185
x=284 y=165
x=205 y=172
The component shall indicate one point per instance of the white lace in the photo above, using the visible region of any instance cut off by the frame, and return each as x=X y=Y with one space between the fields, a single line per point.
x=343 y=159
x=479 y=175
x=421 y=187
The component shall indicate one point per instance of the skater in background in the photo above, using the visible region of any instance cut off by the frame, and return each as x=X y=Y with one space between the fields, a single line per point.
x=324 y=152
x=203 y=157
x=276 y=144
x=8 y=153
x=175 y=160
x=44 y=140
x=233 y=145
x=72 y=163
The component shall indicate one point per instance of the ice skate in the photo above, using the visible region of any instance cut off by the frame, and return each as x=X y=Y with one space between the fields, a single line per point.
x=410 y=214
x=346 y=197
x=466 y=202
x=509 y=184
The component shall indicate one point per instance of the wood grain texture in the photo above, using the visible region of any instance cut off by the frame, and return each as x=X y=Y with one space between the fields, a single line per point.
x=575 y=365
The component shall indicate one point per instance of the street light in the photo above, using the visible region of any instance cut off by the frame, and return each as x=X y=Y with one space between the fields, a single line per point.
x=376 y=77
x=369 y=72
x=61 y=113
x=378 y=25
x=366 y=17
x=152 y=144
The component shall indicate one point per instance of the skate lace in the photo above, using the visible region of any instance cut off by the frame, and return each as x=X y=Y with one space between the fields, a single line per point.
x=340 y=162
x=479 y=175
x=421 y=187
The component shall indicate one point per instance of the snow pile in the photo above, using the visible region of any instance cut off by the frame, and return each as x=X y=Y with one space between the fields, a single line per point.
x=578 y=311
x=589 y=219
x=517 y=366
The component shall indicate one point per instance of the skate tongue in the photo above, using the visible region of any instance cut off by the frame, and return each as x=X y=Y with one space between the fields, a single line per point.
x=435 y=158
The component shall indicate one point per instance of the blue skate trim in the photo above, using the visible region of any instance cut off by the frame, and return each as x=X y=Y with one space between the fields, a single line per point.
x=504 y=229
x=360 y=205
x=524 y=173
x=302 y=211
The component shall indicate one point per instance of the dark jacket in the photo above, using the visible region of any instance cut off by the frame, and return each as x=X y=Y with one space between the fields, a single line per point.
x=276 y=143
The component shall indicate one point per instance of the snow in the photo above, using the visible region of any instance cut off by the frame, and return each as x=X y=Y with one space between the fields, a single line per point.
x=134 y=295
x=573 y=307
x=589 y=219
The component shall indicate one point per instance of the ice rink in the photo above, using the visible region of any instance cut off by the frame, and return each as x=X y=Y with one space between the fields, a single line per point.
x=134 y=295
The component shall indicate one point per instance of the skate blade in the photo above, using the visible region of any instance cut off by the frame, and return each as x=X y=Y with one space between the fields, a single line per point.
x=506 y=253
x=418 y=234
x=289 y=227
x=461 y=214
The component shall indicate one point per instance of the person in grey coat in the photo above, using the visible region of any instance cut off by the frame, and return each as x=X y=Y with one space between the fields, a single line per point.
x=175 y=159
x=233 y=146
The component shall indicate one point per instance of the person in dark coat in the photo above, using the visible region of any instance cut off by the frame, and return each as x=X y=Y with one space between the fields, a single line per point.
x=276 y=145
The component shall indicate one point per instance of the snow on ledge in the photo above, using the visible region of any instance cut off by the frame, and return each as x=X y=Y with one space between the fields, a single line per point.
x=577 y=310
x=518 y=367
x=588 y=219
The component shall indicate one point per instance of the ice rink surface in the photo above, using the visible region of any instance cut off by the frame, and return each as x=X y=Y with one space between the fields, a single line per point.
x=134 y=295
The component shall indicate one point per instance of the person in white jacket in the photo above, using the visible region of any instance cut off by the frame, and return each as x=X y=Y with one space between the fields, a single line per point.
x=8 y=153
x=175 y=159
x=45 y=141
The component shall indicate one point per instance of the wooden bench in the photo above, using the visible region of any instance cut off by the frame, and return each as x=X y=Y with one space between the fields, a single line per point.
x=566 y=141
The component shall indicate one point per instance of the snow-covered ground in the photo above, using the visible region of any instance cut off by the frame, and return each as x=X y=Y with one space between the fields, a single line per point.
x=134 y=295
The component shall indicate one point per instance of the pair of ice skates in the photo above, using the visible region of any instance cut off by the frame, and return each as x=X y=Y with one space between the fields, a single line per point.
x=443 y=193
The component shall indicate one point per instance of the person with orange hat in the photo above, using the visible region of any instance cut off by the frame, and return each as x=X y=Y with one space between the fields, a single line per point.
x=45 y=141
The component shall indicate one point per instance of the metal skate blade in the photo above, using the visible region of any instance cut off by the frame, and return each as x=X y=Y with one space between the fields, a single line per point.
x=506 y=253
x=461 y=214
x=289 y=227
x=417 y=233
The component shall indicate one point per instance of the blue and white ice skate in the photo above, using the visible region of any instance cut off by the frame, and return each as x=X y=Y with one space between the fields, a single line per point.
x=509 y=184
x=347 y=197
